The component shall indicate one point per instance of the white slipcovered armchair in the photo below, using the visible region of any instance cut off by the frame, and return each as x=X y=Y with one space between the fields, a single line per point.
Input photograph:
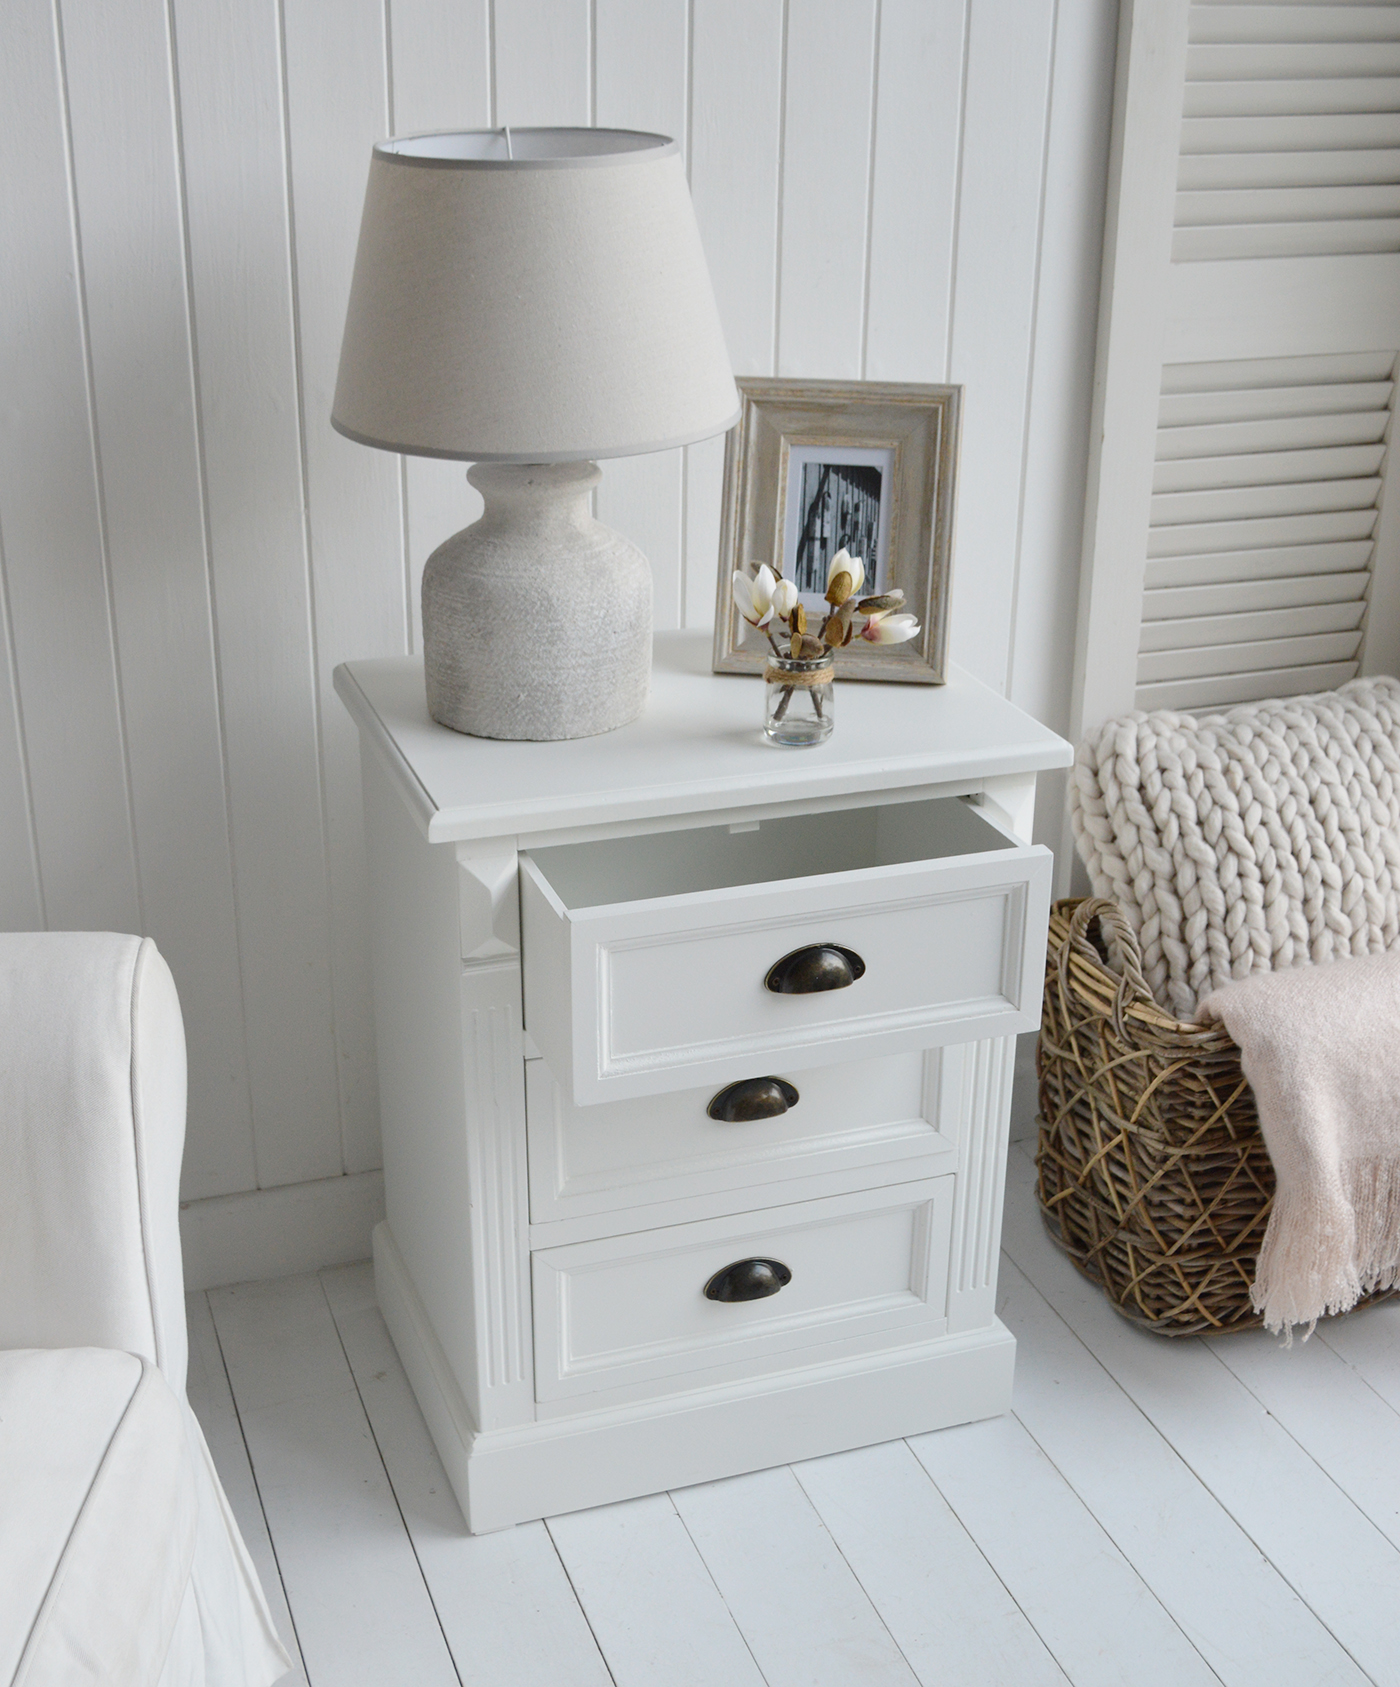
x=120 y=1561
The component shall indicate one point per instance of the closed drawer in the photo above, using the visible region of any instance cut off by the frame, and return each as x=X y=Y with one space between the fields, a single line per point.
x=646 y=957
x=857 y=1124
x=632 y=1309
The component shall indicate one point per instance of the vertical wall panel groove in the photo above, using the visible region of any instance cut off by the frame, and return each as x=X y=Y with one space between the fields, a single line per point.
x=442 y=80
x=335 y=105
x=126 y=175
x=639 y=64
x=867 y=252
x=229 y=70
x=1066 y=314
x=958 y=187
x=693 y=544
x=94 y=437
x=343 y=1000
x=21 y=885
x=782 y=145
x=1008 y=86
x=543 y=58
x=736 y=60
x=491 y=59
x=735 y=166
x=1024 y=439
x=914 y=188
x=191 y=1188
x=386 y=24
x=54 y=557
x=593 y=61
x=825 y=176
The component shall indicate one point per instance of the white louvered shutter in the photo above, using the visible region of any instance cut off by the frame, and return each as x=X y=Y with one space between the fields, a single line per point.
x=1237 y=541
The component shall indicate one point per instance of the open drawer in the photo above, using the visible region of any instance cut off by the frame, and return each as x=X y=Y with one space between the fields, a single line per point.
x=656 y=963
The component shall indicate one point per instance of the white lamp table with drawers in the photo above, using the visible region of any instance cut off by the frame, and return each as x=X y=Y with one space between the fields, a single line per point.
x=695 y=1066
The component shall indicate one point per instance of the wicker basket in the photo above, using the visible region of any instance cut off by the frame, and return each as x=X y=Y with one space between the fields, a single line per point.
x=1153 y=1176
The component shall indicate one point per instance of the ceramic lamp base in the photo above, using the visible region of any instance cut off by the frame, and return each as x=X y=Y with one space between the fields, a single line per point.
x=537 y=618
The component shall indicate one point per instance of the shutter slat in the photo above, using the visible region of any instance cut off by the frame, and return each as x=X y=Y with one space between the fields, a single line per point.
x=1246 y=503
x=1292 y=61
x=1216 y=207
x=1338 y=238
x=1293 y=374
x=1248 y=627
x=1279 y=433
x=1304 y=97
x=1236 y=596
x=1336 y=167
x=1294 y=23
x=1190 y=408
x=1247 y=657
x=1266 y=468
x=1224 y=691
x=1276 y=563
x=1300 y=132
x=1196 y=537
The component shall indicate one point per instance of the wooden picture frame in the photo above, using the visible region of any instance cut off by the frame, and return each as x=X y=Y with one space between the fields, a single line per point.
x=893 y=450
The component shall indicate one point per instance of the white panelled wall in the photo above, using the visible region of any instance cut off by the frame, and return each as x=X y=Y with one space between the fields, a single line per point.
x=887 y=189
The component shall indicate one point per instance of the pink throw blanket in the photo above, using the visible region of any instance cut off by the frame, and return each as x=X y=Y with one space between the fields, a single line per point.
x=1320 y=1046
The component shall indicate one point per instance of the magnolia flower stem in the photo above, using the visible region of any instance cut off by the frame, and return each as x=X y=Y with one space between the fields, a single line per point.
x=780 y=708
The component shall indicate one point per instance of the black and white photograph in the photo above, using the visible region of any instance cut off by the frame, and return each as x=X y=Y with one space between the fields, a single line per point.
x=836 y=501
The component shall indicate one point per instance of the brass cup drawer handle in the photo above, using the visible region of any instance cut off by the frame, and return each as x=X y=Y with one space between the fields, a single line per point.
x=818 y=966
x=748 y=1279
x=753 y=1098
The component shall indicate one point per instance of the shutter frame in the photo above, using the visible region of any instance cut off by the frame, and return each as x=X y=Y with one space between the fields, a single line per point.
x=1310 y=500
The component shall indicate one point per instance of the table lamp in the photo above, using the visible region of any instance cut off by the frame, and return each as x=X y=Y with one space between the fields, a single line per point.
x=531 y=300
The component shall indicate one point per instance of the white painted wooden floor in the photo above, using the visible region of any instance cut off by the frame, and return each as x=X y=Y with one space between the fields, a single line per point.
x=1156 y=1514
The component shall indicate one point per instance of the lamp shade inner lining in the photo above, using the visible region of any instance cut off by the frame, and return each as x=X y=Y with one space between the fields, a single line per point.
x=547 y=148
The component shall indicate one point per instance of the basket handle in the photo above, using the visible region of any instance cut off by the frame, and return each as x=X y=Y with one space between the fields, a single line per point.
x=1132 y=986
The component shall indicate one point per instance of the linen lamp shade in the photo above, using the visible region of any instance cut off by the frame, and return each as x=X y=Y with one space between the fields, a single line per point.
x=530 y=300
x=546 y=307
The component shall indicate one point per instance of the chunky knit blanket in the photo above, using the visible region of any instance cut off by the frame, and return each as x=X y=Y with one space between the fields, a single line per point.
x=1248 y=841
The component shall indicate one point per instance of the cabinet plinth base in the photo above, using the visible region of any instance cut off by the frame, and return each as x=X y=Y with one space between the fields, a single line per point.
x=510 y=1475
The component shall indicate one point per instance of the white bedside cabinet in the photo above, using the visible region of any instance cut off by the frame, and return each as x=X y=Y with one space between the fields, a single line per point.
x=695 y=1063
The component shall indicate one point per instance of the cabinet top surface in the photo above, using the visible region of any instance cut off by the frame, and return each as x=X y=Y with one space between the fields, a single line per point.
x=697 y=746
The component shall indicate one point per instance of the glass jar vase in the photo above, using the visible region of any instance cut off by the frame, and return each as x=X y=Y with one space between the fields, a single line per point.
x=798 y=703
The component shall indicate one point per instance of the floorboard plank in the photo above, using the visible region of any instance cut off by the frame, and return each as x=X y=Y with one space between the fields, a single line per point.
x=653 y=1605
x=363 y=1614
x=805 y=1617
x=1244 y=1619
x=209 y=1396
x=948 y=1611
x=504 y=1601
x=1370 y=1344
x=1333 y=1556
x=1330 y=1410
x=1102 y=1623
